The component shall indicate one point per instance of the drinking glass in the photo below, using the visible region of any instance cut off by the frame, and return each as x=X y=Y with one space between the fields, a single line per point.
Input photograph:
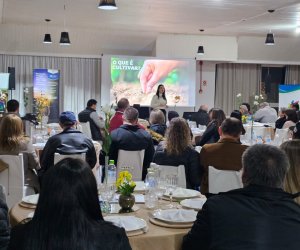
x=106 y=192
x=160 y=191
x=171 y=184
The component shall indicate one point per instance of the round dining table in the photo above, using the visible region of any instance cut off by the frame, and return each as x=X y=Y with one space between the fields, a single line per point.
x=157 y=237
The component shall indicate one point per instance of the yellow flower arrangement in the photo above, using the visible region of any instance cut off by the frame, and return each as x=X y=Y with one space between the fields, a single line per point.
x=125 y=185
x=42 y=104
x=244 y=119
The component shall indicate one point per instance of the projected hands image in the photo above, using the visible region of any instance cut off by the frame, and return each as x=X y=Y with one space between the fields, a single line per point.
x=138 y=78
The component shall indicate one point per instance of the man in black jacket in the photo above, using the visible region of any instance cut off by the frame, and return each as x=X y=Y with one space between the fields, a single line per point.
x=70 y=141
x=131 y=137
x=259 y=216
x=90 y=115
x=201 y=117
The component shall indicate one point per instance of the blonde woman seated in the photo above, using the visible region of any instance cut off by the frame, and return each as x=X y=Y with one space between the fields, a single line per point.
x=292 y=178
x=13 y=142
x=177 y=150
x=157 y=127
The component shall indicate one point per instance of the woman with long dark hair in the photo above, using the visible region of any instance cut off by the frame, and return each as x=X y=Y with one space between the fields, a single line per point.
x=211 y=134
x=68 y=214
x=291 y=118
x=159 y=100
x=177 y=150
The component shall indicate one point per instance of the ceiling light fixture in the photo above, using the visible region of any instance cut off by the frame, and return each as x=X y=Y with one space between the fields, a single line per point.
x=64 y=36
x=270 y=39
x=200 y=50
x=47 y=38
x=270 y=36
x=107 y=5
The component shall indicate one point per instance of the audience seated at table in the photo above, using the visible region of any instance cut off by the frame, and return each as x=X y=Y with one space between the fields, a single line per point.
x=291 y=118
x=265 y=114
x=117 y=120
x=248 y=107
x=226 y=154
x=13 y=142
x=177 y=150
x=296 y=131
x=295 y=106
x=68 y=214
x=282 y=118
x=171 y=114
x=131 y=137
x=211 y=134
x=157 y=127
x=201 y=117
x=259 y=216
x=90 y=115
x=12 y=107
x=244 y=110
x=238 y=115
x=69 y=141
x=292 y=178
x=4 y=222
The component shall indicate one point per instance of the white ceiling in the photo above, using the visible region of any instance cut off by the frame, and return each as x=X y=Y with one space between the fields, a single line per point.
x=217 y=17
x=135 y=26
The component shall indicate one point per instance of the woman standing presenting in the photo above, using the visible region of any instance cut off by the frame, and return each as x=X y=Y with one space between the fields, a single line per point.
x=159 y=100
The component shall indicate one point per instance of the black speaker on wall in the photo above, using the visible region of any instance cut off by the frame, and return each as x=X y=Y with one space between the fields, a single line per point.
x=12 y=78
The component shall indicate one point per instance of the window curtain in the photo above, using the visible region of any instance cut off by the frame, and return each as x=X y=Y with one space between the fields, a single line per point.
x=79 y=78
x=231 y=79
x=292 y=74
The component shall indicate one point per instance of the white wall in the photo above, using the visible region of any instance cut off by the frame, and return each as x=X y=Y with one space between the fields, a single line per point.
x=216 y=48
x=285 y=50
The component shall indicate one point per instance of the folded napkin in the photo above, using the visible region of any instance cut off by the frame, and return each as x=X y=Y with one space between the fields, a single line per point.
x=183 y=192
x=129 y=223
x=176 y=215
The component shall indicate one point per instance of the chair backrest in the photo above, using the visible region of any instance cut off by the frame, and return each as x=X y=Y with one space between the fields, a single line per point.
x=58 y=157
x=132 y=160
x=178 y=170
x=12 y=178
x=223 y=180
x=86 y=129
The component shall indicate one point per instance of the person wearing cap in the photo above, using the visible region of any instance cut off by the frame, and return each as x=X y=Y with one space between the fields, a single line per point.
x=69 y=141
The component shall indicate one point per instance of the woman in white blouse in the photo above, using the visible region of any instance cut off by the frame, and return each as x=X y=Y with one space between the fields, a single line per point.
x=159 y=100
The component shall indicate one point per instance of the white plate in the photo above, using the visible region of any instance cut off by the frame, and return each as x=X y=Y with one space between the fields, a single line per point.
x=183 y=193
x=195 y=203
x=176 y=215
x=115 y=208
x=129 y=223
x=31 y=199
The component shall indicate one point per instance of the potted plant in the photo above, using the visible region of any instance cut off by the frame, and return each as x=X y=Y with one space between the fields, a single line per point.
x=125 y=186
